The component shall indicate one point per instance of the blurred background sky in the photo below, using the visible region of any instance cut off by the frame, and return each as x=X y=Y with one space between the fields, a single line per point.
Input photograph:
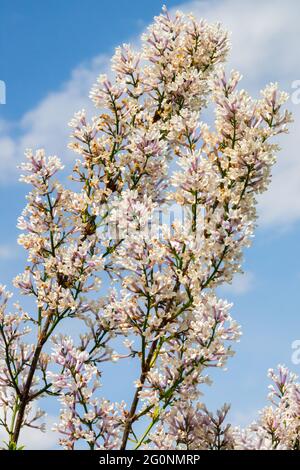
x=51 y=53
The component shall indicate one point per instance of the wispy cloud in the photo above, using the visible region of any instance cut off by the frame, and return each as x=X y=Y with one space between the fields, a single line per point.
x=241 y=284
x=242 y=419
x=46 y=125
x=8 y=252
x=34 y=439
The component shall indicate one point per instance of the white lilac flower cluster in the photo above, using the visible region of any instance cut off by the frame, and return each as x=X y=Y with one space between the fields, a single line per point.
x=145 y=153
x=186 y=426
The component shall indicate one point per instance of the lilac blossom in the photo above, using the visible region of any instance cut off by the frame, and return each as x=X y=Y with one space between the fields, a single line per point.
x=145 y=152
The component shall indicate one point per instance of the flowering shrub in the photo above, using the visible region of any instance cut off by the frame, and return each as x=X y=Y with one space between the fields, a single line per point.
x=145 y=154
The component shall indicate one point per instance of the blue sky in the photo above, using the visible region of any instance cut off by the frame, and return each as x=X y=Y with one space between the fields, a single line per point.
x=51 y=53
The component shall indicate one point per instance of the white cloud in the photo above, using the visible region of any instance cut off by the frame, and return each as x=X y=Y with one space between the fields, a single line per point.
x=239 y=418
x=46 y=125
x=34 y=439
x=241 y=284
x=264 y=38
x=8 y=252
